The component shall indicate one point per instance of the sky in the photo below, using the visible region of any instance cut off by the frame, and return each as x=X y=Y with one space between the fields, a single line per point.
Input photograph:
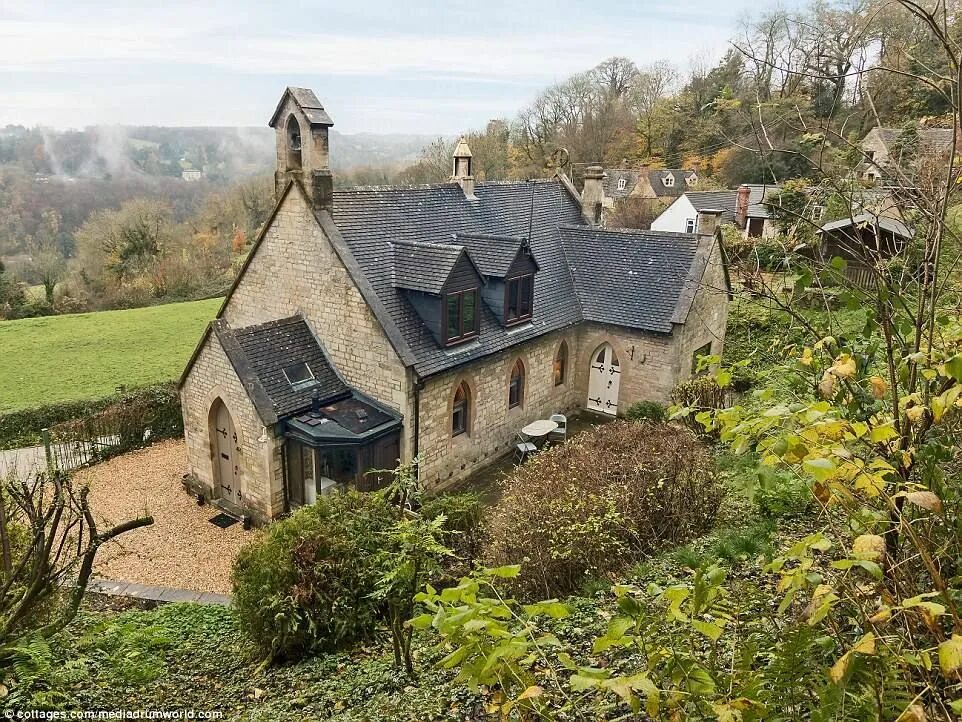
x=380 y=66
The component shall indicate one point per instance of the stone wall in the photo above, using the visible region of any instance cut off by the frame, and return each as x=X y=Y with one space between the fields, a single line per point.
x=708 y=316
x=646 y=361
x=213 y=377
x=492 y=426
x=296 y=270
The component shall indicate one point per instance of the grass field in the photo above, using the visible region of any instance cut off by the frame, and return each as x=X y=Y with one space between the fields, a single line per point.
x=87 y=355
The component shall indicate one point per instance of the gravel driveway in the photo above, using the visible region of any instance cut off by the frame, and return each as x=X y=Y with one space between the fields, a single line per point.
x=182 y=548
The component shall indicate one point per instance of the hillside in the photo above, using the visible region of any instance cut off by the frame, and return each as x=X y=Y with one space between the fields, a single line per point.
x=89 y=355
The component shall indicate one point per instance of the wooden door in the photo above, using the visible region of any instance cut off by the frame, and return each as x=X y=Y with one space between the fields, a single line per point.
x=227 y=456
x=604 y=378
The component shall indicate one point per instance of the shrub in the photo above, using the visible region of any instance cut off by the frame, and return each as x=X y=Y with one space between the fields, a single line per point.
x=779 y=494
x=600 y=502
x=306 y=583
x=699 y=393
x=157 y=406
x=646 y=411
x=463 y=515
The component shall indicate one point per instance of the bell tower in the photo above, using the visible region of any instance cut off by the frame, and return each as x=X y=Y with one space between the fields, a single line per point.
x=301 y=126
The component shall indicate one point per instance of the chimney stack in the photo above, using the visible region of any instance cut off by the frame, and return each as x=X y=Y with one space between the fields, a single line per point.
x=709 y=219
x=593 y=195
x=462 y=169
x=303 y=152
x=741 y=206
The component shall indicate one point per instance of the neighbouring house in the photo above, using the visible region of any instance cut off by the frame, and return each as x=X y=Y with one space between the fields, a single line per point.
x=884 y=156
x=635 y=196
x=744 y=207
x=374 y=324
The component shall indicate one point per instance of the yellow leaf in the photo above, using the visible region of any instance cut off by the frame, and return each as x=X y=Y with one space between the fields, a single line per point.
x=807 y=357
x=531 y=692
x=912 y=713
x=915 y=413
x=869 y=546
x=950 y=654
x=838 y=670
x=879 y=387
x=926 y=500
x=826 y=387
x=866 y=645
x=844 y=366
x=882 y=615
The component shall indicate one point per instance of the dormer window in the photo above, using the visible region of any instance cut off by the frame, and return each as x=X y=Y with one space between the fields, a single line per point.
x=518 y=299
x=622 y=184
x=461 y=316
x=668 y=179
x=692 y=180
x=299 y=376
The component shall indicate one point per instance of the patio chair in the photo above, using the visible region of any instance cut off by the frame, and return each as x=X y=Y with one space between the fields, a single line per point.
x=561 y=433
x=523 y=447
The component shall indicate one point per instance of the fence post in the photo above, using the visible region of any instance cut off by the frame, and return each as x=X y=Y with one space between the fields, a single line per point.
x=48 y=451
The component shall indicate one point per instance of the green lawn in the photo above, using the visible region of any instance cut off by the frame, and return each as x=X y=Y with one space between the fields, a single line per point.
x=88 y=355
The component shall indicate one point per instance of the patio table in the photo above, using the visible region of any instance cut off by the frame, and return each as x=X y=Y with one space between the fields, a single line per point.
x=541 y=427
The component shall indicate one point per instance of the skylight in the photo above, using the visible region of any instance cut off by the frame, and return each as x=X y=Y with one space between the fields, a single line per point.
x=299 y=375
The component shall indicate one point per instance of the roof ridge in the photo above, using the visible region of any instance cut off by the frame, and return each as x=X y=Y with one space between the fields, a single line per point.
x=439 y=184
x=646 y=232
x=428 y=244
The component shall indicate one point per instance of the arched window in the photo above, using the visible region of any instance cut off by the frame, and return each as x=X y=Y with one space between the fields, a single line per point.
x=293 y=143
x=561 y=364
x=516 y=385
x=461 y=410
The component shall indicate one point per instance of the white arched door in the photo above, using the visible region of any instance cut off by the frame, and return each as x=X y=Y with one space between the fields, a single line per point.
x=604 y=377
x=226 y=456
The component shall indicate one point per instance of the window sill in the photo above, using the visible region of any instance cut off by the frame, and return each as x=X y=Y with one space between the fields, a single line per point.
x=518 y=326
x=462 y=346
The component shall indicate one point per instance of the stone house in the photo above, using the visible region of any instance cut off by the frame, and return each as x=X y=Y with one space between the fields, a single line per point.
x=374 y=324
x=633 y=197
x=882 y=157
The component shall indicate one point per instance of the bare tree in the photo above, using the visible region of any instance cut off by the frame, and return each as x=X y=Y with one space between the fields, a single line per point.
x=49 y=539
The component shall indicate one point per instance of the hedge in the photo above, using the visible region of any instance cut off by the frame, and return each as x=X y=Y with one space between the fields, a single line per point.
x=160 y=405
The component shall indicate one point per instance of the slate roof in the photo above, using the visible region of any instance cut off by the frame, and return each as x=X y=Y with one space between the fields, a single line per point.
x=680 y=186
x=372 y=222
x=613 y=175
x=629 y=277
x=715 y=200
x=371 y=219
x=756 y=198
x=493 y=255
x=424 y=266
x=308 y=103
x=931 y=139
x=261 y=353
x=655 y=178
x=886 y=224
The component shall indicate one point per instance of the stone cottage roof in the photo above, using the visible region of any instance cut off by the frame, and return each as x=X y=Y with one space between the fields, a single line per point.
x=264 y=355
x=932 y=140
x=371 y=222
x=613 y=176
x=636 y=280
